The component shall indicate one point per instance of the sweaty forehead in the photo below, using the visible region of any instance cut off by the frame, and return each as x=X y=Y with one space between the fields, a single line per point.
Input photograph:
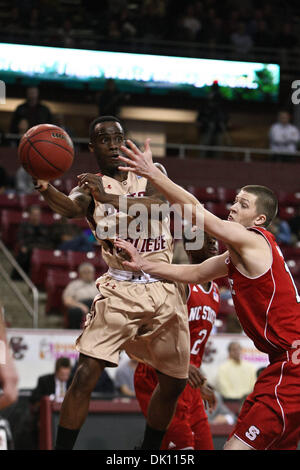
x=108 y=127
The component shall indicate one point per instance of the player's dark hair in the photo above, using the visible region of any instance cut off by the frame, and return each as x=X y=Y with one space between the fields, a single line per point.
x=266 y=201
x=99 y=120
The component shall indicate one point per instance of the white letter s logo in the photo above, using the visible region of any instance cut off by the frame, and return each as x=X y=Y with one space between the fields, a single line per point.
x=252 y=433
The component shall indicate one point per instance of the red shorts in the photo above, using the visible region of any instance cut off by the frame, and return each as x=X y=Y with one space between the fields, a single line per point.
x=189 y=428
x=270 y=416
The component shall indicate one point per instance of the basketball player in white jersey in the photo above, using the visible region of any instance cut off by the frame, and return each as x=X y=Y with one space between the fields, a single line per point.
x=143 y=315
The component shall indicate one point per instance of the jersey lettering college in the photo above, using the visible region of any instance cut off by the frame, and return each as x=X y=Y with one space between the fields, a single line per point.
x=268 y=306
x=158 y=247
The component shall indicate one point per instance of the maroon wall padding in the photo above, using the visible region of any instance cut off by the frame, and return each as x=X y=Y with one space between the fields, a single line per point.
x=198 y=172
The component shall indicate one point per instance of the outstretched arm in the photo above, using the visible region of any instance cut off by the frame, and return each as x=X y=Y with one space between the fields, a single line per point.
x=210 y=269
x=141 y=163
x=73 y=206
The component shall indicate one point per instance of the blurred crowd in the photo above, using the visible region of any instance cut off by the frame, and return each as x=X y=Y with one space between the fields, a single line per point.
x=65 y=22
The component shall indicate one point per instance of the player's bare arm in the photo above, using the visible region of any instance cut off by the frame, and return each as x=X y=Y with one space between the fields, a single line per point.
x=75 y=205
x=210 y=269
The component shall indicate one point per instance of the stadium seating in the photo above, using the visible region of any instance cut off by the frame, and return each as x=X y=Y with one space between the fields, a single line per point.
x=43 y=260
x=10 y=201
x=286 y=198
x=75 y=258
x=294 y=267
x=286 y=212
x=11 y=219
x=208 y=194
x=291 y=252
x=27 y=200
x=226 y=195
x=220 y=209
x=69 y=184
x=55 y=283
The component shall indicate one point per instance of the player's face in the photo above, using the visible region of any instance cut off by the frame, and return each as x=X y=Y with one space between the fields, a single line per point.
x=108 y=137
x=244 y=210
x=63 y=374
x=210 y=248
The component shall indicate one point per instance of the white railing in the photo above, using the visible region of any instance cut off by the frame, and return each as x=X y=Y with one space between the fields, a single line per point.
x=182 y=149
x=32 y=310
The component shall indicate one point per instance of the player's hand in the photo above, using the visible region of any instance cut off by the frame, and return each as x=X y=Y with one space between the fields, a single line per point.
x=208 y=396
x=93 y=183
x=135 y=262
x=196 y=378
x=137 y=161
x=40 y=185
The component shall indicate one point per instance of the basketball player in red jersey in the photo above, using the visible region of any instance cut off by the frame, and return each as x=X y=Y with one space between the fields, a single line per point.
x=143 y=315
x=189 y=428
x=264 y=294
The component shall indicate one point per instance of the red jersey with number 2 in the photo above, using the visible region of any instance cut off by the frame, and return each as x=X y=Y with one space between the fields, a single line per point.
x=203 y=307
x=268 y=306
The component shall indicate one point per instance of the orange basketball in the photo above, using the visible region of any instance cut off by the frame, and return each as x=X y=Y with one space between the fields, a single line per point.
x=46 y=151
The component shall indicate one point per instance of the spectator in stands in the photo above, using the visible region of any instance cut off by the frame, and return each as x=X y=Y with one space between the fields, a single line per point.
x=241 y=40
x=124 y=379
x=79 y=294
x=75 y=239
x=191 y=24
x=67 y=34
x=235 y=377
x=31 y=234
x=22 y=127
x=128 y=28
x=221 y=414
x=32 y=109
x=105 y=384
x=54 y=385
x=281 y=231
x=283 y=136
x=294 y=224
x=212 y=121
x=61 y=231
x=23 y=182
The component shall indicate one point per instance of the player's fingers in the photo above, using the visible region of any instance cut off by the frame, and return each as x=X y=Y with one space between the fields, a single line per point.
x=127 y=152
x=126 y=168
x=129 y=161
x=130 y=265
x=133 y=147
x=123 y=245
x=147 y=144
x=81 y=176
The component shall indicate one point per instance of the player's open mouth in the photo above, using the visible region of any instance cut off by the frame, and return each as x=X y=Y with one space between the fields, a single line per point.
x=230 y=217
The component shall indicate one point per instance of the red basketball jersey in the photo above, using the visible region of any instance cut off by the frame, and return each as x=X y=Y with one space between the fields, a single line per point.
x=267 y=306
x=203 y=308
